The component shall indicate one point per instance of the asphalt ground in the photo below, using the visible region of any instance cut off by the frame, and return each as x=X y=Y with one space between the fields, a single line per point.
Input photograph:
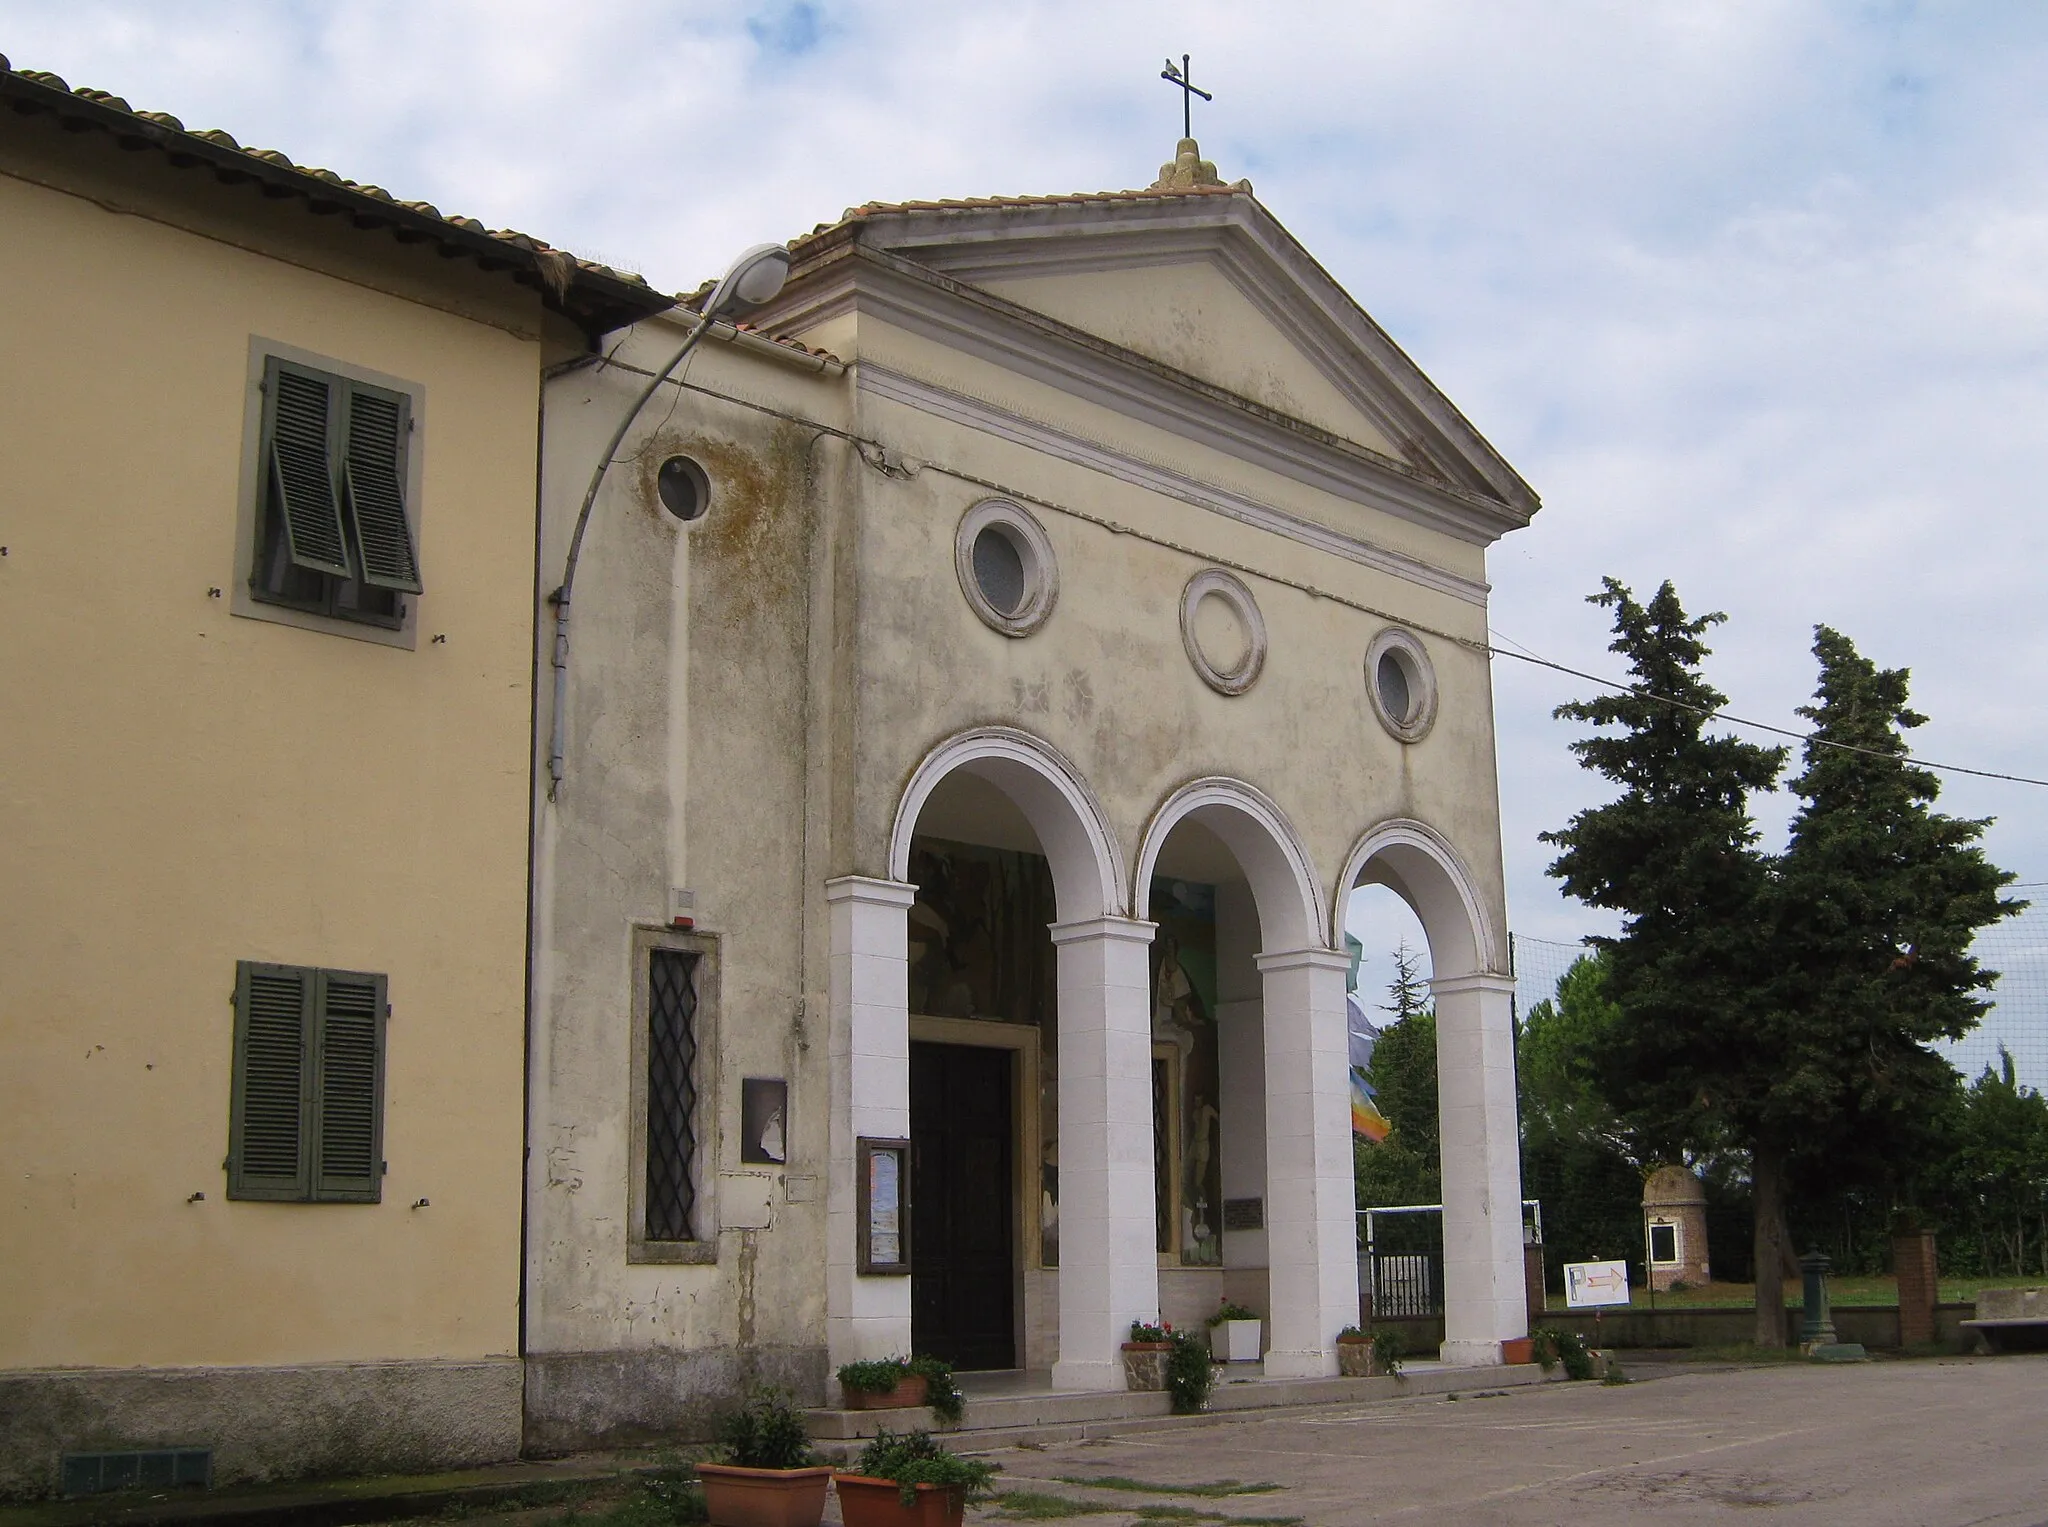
x=1926 y=1443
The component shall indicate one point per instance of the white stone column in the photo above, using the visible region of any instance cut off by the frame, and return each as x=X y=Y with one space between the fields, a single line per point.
x=1484 y=1302
x=869 y=1001
x=1311 y=1219
x=1109 y=1269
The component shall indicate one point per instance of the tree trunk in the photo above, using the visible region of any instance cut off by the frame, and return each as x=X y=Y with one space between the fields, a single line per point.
x=1767 y=1187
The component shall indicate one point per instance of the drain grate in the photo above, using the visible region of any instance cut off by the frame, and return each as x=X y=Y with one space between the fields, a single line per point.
x=153 y=1468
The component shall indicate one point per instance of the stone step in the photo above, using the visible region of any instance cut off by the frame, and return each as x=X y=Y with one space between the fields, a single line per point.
x=1005 y=1420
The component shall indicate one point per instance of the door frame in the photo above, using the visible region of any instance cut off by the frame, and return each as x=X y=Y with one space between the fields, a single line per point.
x=1022 y=1040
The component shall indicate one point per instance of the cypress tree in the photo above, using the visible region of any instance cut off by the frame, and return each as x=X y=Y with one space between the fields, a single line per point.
x=1875 y=904
x=1675 y=853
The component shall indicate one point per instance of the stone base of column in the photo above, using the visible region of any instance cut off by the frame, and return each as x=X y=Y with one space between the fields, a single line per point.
x=1301 y=1365
x=1082 y=1376
x=1471 y=1354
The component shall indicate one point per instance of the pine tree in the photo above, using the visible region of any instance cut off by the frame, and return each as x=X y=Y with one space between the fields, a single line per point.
x=1408 y=992
x=1676 y=855
x=1875 y=904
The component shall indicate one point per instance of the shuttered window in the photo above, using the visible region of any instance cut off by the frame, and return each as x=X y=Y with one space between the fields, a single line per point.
x=335 y=538
x=306 y=1122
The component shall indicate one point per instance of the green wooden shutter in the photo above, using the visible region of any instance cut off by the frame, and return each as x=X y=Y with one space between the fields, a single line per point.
x=303 y=405
x=348 y=1101
x=268 y=1154
x=374 y=471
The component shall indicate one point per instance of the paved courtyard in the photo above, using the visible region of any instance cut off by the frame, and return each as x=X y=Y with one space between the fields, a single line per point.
x=1936 y=1443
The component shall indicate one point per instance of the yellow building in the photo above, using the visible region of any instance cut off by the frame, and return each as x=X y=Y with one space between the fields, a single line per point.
x=267 y=592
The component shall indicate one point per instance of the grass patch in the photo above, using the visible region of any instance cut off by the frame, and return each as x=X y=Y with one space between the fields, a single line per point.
x=1853 y=1290
x=1215 y=1489
x=1741 y=1352
x=1190 y=1514
x=1037 y=1506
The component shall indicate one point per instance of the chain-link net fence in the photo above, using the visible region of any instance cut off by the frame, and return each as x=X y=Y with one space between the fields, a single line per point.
x=2017 y=948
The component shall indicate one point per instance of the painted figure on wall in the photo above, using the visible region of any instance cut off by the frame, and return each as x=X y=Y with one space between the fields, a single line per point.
x=1184 y=1016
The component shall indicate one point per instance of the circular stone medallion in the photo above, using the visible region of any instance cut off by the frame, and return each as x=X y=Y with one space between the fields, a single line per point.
x=1224 y=632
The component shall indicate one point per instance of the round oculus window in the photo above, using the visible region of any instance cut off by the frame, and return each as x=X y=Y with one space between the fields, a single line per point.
x=999 y=569
x=1005 y=562
x=1402 y=684
x=683 y=489
x=1223 y=631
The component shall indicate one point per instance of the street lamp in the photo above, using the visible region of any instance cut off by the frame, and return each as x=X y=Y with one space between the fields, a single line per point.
x=751 y=280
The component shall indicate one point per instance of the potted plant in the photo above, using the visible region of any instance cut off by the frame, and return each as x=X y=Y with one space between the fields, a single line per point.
x=1554 y=1345
x=1363 y=1354
x=910 y=1482
x=1145 y=1355
x=770 y=1477
x=1518 y=1349
x=1386 y=1353
x=1354 y=1353
x=1240 y=1333
x=903 y=1383
x=1190 y=1373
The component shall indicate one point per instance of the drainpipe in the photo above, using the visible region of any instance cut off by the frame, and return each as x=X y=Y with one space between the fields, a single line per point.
x=754 y=278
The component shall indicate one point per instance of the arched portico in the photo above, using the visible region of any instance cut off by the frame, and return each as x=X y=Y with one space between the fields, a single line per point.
x=1285 y=1132
x=1107 y=1273
x=1484 y=1302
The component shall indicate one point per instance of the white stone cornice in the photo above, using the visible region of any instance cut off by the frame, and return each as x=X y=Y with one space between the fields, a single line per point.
x=976 y=413
x=1304 y=959
x=873 y=892
x=1130 y=930
x=1479 y=981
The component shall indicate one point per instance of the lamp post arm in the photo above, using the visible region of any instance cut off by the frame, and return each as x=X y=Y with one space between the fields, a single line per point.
x=560 y=598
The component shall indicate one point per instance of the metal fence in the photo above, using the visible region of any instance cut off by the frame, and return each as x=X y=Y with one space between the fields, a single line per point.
x=1401 y=1256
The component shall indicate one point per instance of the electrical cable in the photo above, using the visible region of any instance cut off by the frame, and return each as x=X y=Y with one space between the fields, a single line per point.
x=877 y=457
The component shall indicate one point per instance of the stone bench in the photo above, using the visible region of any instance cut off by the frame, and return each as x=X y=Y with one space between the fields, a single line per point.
x=2011 y=1319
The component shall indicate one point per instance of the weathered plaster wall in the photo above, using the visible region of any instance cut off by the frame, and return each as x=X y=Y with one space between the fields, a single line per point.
x=749 y=698
x=269 y=1423
x=695 y=675
x=1107 y=680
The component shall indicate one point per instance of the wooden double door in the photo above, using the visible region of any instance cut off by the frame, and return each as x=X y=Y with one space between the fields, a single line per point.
x=963 y=1187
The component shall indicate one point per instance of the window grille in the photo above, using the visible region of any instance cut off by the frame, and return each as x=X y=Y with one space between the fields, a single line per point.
x=671 y=1095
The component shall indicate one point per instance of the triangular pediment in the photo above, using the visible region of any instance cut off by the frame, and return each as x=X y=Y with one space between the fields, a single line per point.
x=1206 y=288
x=1188 y=312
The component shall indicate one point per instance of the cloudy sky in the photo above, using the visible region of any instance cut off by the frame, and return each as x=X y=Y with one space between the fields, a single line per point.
x=1754 y=292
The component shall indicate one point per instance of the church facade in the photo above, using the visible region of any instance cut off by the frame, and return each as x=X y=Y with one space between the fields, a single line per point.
x=985 y=696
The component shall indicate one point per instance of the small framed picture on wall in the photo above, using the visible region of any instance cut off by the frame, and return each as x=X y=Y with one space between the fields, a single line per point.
x=883 y=1206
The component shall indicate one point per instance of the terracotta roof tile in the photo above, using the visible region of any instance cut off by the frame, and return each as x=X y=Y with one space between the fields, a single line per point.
x=627 y=292
x=978 y=203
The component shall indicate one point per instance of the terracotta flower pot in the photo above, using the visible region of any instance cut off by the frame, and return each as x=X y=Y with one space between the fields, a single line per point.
x=865 y=1502
x=908 y=1394
x=1522 y=1349
x=1145 y=1364
x=737 y=1497
x=1354 y=1359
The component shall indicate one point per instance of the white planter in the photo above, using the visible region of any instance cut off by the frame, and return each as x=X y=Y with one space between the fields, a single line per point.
x=1240 y=1341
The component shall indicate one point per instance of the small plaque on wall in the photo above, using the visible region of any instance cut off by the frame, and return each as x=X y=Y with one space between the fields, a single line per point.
x=883 y=1206
x=1244 y=1214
